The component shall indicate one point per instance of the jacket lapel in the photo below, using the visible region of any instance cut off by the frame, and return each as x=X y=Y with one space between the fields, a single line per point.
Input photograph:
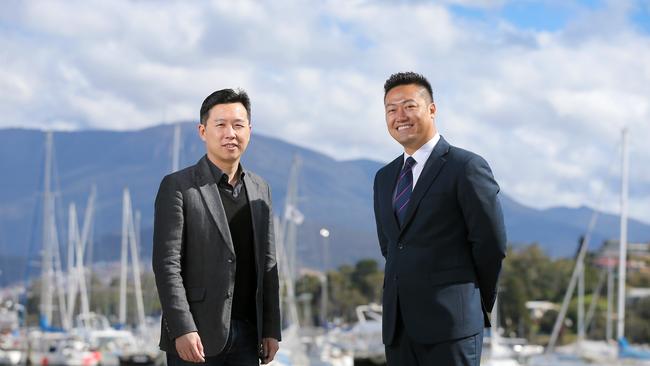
x=387 y=190
x=429 y=173
x=210 y=193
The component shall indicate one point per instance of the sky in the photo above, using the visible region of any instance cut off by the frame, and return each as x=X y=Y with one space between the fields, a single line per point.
x=541 y=89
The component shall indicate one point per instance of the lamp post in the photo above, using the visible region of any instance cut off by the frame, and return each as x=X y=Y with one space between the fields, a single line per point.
x=325 y=234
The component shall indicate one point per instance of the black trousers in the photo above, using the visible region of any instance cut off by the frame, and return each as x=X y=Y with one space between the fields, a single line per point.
x=457 y=352
x=240 y=349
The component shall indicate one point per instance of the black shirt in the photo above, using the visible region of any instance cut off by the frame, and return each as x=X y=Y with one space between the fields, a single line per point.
x=238 y=212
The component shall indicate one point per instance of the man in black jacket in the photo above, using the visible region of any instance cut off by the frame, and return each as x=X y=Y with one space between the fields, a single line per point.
x=214 y=252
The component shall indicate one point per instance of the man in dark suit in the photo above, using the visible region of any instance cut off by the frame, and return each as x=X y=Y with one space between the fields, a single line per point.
x=441 y=230
x=214 y=251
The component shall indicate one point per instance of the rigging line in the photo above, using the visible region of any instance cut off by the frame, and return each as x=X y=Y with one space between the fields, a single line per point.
x=594 y=299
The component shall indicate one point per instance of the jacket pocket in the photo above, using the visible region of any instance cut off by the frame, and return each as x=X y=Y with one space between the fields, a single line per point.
x=195 y=293
x=453 y=275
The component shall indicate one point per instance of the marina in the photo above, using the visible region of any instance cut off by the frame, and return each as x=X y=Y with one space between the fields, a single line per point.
x=70 y=332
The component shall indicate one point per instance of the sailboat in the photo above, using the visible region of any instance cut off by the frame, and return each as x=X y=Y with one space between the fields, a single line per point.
x=49 y=344
x=119 y=345
x=625 y=351
x=622 y=352
x=599 y=352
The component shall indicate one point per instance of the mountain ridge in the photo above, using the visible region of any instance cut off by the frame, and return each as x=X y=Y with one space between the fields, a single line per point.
x=334 y=194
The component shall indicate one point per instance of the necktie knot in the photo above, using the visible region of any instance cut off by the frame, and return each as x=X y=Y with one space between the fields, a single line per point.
x=409 y=163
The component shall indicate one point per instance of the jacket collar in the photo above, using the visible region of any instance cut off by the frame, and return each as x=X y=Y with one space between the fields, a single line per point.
x=210 y=193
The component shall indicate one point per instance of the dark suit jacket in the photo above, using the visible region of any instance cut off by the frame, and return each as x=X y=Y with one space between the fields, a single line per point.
x=443 y=264
x=194 y=258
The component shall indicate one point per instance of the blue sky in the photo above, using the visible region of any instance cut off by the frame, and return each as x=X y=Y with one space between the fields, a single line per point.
x=548 y=16
x=542 y=89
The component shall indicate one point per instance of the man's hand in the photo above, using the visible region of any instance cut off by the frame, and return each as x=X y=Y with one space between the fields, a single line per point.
x=269 y=347
x=190 y=348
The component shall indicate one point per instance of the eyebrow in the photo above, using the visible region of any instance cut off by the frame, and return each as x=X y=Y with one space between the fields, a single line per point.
x=226 y=119
x=400 y=102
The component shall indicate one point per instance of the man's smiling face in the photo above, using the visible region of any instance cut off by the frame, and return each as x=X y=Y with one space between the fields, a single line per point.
x=409 y=116
x=226 y=132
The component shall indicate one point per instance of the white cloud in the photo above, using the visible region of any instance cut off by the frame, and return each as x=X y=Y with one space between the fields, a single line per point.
x=545 y=108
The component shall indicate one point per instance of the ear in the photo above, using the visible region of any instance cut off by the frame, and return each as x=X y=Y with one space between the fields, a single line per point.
x=432 y=109
x=201 y=128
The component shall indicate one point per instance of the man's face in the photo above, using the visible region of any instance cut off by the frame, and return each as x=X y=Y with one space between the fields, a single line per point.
x=226 y=132
x=409 y=116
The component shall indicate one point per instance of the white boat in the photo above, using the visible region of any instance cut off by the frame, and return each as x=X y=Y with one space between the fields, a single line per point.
x=114 y=345
x=60 y=349
x=364 y=339
x=12 y=350
x=498 y=353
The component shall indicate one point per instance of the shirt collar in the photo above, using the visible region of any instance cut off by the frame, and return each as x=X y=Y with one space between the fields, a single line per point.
x=220 y=176
x=422 y=154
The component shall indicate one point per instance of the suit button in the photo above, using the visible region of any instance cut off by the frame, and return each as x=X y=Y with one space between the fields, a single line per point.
x=228 y=295
x=230 y=260
x=400 y=246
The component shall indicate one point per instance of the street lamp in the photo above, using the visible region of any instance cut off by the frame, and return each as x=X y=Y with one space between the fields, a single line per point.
x=325 y=234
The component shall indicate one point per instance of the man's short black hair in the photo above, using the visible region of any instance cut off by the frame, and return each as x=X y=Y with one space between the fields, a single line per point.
x=406 y=78
x=225 y=96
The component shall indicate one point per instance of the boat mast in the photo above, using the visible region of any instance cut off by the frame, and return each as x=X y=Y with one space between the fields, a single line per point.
x=129 y=243
x=51 y=277
x=47 y=291
x=135 y=266
x=623 y=238
x=292 y=217
x=581 y=302
x=176 y=148
x=73 y=244
x=124 y=257
x=76 y=251
x=81 y=249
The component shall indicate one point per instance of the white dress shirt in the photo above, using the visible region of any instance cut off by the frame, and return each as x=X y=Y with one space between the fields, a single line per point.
x=421 y=156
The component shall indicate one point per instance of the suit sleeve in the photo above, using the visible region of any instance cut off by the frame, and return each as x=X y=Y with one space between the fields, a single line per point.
x=478 y=197
x=271 y=294
x=166 y=259
x=383 y=242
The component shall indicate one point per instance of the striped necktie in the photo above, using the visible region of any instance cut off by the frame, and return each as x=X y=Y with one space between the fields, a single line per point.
x=403 y=190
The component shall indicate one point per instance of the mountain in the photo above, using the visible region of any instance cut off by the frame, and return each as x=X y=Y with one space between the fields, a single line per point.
x=333 y=194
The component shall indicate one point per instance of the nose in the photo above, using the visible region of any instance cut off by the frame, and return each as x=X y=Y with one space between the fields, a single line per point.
x=229 y=132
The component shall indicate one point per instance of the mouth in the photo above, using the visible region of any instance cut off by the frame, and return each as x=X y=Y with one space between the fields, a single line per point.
x=230 y=146
x=404 y=127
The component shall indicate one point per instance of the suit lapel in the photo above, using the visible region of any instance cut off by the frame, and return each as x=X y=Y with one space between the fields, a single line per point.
x=386 y=193
x=210 y=193
x=254 y=202
x=429 y=173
